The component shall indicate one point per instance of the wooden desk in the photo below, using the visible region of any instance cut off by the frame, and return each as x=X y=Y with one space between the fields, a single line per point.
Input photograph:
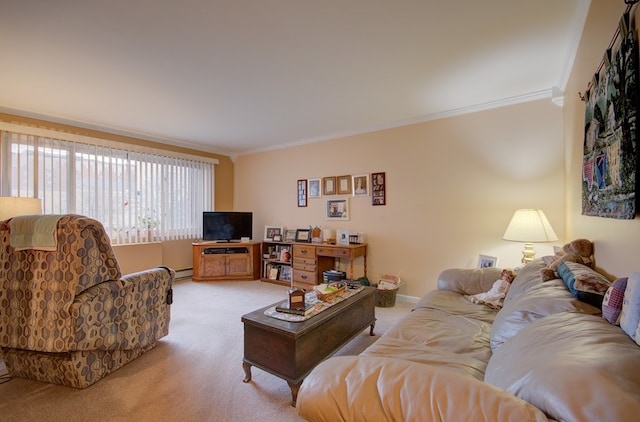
x=351 y=252
x=290 y=350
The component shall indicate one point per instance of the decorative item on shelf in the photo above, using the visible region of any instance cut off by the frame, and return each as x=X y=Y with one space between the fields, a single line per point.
x=353 y=239
x=277 y=238
x=316 y=234
x=329 y=236
x=326 y=292
x=289 y=235
x=529 y=226
x=285 y=255
x=378 y=188
x=296 y=298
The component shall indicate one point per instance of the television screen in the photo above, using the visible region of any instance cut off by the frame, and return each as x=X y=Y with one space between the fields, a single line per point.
x=226 y=225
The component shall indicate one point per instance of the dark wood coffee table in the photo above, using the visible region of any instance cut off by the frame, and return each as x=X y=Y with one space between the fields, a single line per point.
x=290 y=350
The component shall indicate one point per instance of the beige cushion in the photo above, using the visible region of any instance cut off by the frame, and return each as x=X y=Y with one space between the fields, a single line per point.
x=573 y=367
x=542 y=300
x=468 y=281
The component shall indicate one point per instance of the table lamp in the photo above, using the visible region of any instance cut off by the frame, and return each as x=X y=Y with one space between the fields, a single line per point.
x=12 y=206
x=529 y=226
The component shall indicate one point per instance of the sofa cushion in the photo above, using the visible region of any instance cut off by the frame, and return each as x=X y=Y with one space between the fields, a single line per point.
x=468 y=281
x=527 y=277
x=364 y=388
x=612 y=302
x=573 y=367
x=630 y=315
x=584 y=283
x=540 y=301
x=446 y=330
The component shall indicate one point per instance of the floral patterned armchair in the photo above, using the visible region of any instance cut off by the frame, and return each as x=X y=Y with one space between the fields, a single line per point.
x=67 y=316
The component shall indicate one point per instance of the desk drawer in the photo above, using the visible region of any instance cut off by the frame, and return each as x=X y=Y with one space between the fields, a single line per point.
x=337 y=252
x=304 y=251
x=304 y=264
x=301 y=276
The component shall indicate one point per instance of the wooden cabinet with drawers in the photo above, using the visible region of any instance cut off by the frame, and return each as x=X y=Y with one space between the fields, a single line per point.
x=308 y=261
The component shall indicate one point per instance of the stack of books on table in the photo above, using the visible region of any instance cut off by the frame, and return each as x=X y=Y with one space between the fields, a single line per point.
x=284 y=307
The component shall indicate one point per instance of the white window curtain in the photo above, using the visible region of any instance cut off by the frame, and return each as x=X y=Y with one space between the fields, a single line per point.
x=139 y=194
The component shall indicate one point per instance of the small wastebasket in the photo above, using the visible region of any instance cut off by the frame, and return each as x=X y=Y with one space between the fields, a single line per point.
x=386 y=298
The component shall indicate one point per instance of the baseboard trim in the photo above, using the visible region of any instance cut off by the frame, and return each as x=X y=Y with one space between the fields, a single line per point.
x=405 y=298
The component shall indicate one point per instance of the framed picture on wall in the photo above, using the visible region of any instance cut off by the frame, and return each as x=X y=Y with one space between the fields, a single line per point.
x=314 y=188
x=378 y=188
x=302 y=192
x=361 y=185
x=338 y=209
x=329 y=185
x=344 y=185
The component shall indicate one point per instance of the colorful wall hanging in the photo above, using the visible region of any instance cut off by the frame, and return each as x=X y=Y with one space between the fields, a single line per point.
x=610 y=155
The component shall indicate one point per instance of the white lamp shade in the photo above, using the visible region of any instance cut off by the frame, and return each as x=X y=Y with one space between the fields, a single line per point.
x=12 y=206
x=529 y=225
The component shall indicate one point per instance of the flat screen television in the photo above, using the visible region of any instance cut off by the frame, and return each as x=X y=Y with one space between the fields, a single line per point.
x=226 y=226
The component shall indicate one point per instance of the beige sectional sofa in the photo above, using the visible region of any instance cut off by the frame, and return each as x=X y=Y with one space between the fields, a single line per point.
x=544 y=355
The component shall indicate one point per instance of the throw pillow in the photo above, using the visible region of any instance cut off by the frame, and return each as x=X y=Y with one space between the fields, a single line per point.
x=612 y=302
x=630 y=316
x=584 y=283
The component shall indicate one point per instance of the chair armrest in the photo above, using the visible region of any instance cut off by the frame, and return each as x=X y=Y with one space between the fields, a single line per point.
x=468 y=281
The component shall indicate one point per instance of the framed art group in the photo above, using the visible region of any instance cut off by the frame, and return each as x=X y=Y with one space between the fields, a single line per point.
x=358 y=185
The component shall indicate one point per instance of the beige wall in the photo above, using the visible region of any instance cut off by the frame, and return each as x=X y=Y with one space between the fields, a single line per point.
x=617 y=242
x=452 y=186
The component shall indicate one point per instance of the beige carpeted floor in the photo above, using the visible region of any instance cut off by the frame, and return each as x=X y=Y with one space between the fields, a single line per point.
x=194 y=374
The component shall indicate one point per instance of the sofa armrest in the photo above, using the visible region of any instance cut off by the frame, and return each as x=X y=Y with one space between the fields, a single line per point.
x=468 y=281
x=358 y=388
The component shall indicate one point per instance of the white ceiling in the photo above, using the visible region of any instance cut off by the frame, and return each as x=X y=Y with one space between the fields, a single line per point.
x=236 y=76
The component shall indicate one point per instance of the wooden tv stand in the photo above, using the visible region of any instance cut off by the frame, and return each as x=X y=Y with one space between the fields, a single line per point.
x=226 y=261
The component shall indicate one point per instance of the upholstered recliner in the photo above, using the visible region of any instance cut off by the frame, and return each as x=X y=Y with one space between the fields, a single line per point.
x=67 y=316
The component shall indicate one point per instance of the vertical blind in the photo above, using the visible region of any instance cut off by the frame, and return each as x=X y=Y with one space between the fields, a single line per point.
x=139 y=196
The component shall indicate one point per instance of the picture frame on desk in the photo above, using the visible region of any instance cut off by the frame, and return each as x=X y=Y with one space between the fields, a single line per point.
x=290 y=235
x=271 y=231
x=342 y=237
x=486 y=261
x=303 y=235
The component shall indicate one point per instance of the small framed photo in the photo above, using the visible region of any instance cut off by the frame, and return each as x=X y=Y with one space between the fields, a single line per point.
x=486 y=261
x=361 y=185
x=378 y=188
x=329 y=185
x=273 y=273
x=303 y=235
x=302 y=192
x=290 y=235
x=271 y=231
x=314 y=190
x=277 y=238
x=344 y=185
x=342 y=237
x=338 y=209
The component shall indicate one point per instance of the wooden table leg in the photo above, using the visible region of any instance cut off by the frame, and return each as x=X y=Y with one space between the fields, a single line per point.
x=373 y=324
x=247 y=371
x=294 y=392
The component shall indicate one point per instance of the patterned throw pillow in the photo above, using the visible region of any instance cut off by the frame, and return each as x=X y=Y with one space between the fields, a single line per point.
x=584 y=283
x=630 y=316
x=612 y=302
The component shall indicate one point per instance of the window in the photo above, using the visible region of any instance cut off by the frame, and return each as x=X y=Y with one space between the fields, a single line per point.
x=139 y=194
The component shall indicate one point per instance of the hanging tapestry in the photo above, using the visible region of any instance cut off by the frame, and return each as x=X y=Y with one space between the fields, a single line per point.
x=610 y=156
